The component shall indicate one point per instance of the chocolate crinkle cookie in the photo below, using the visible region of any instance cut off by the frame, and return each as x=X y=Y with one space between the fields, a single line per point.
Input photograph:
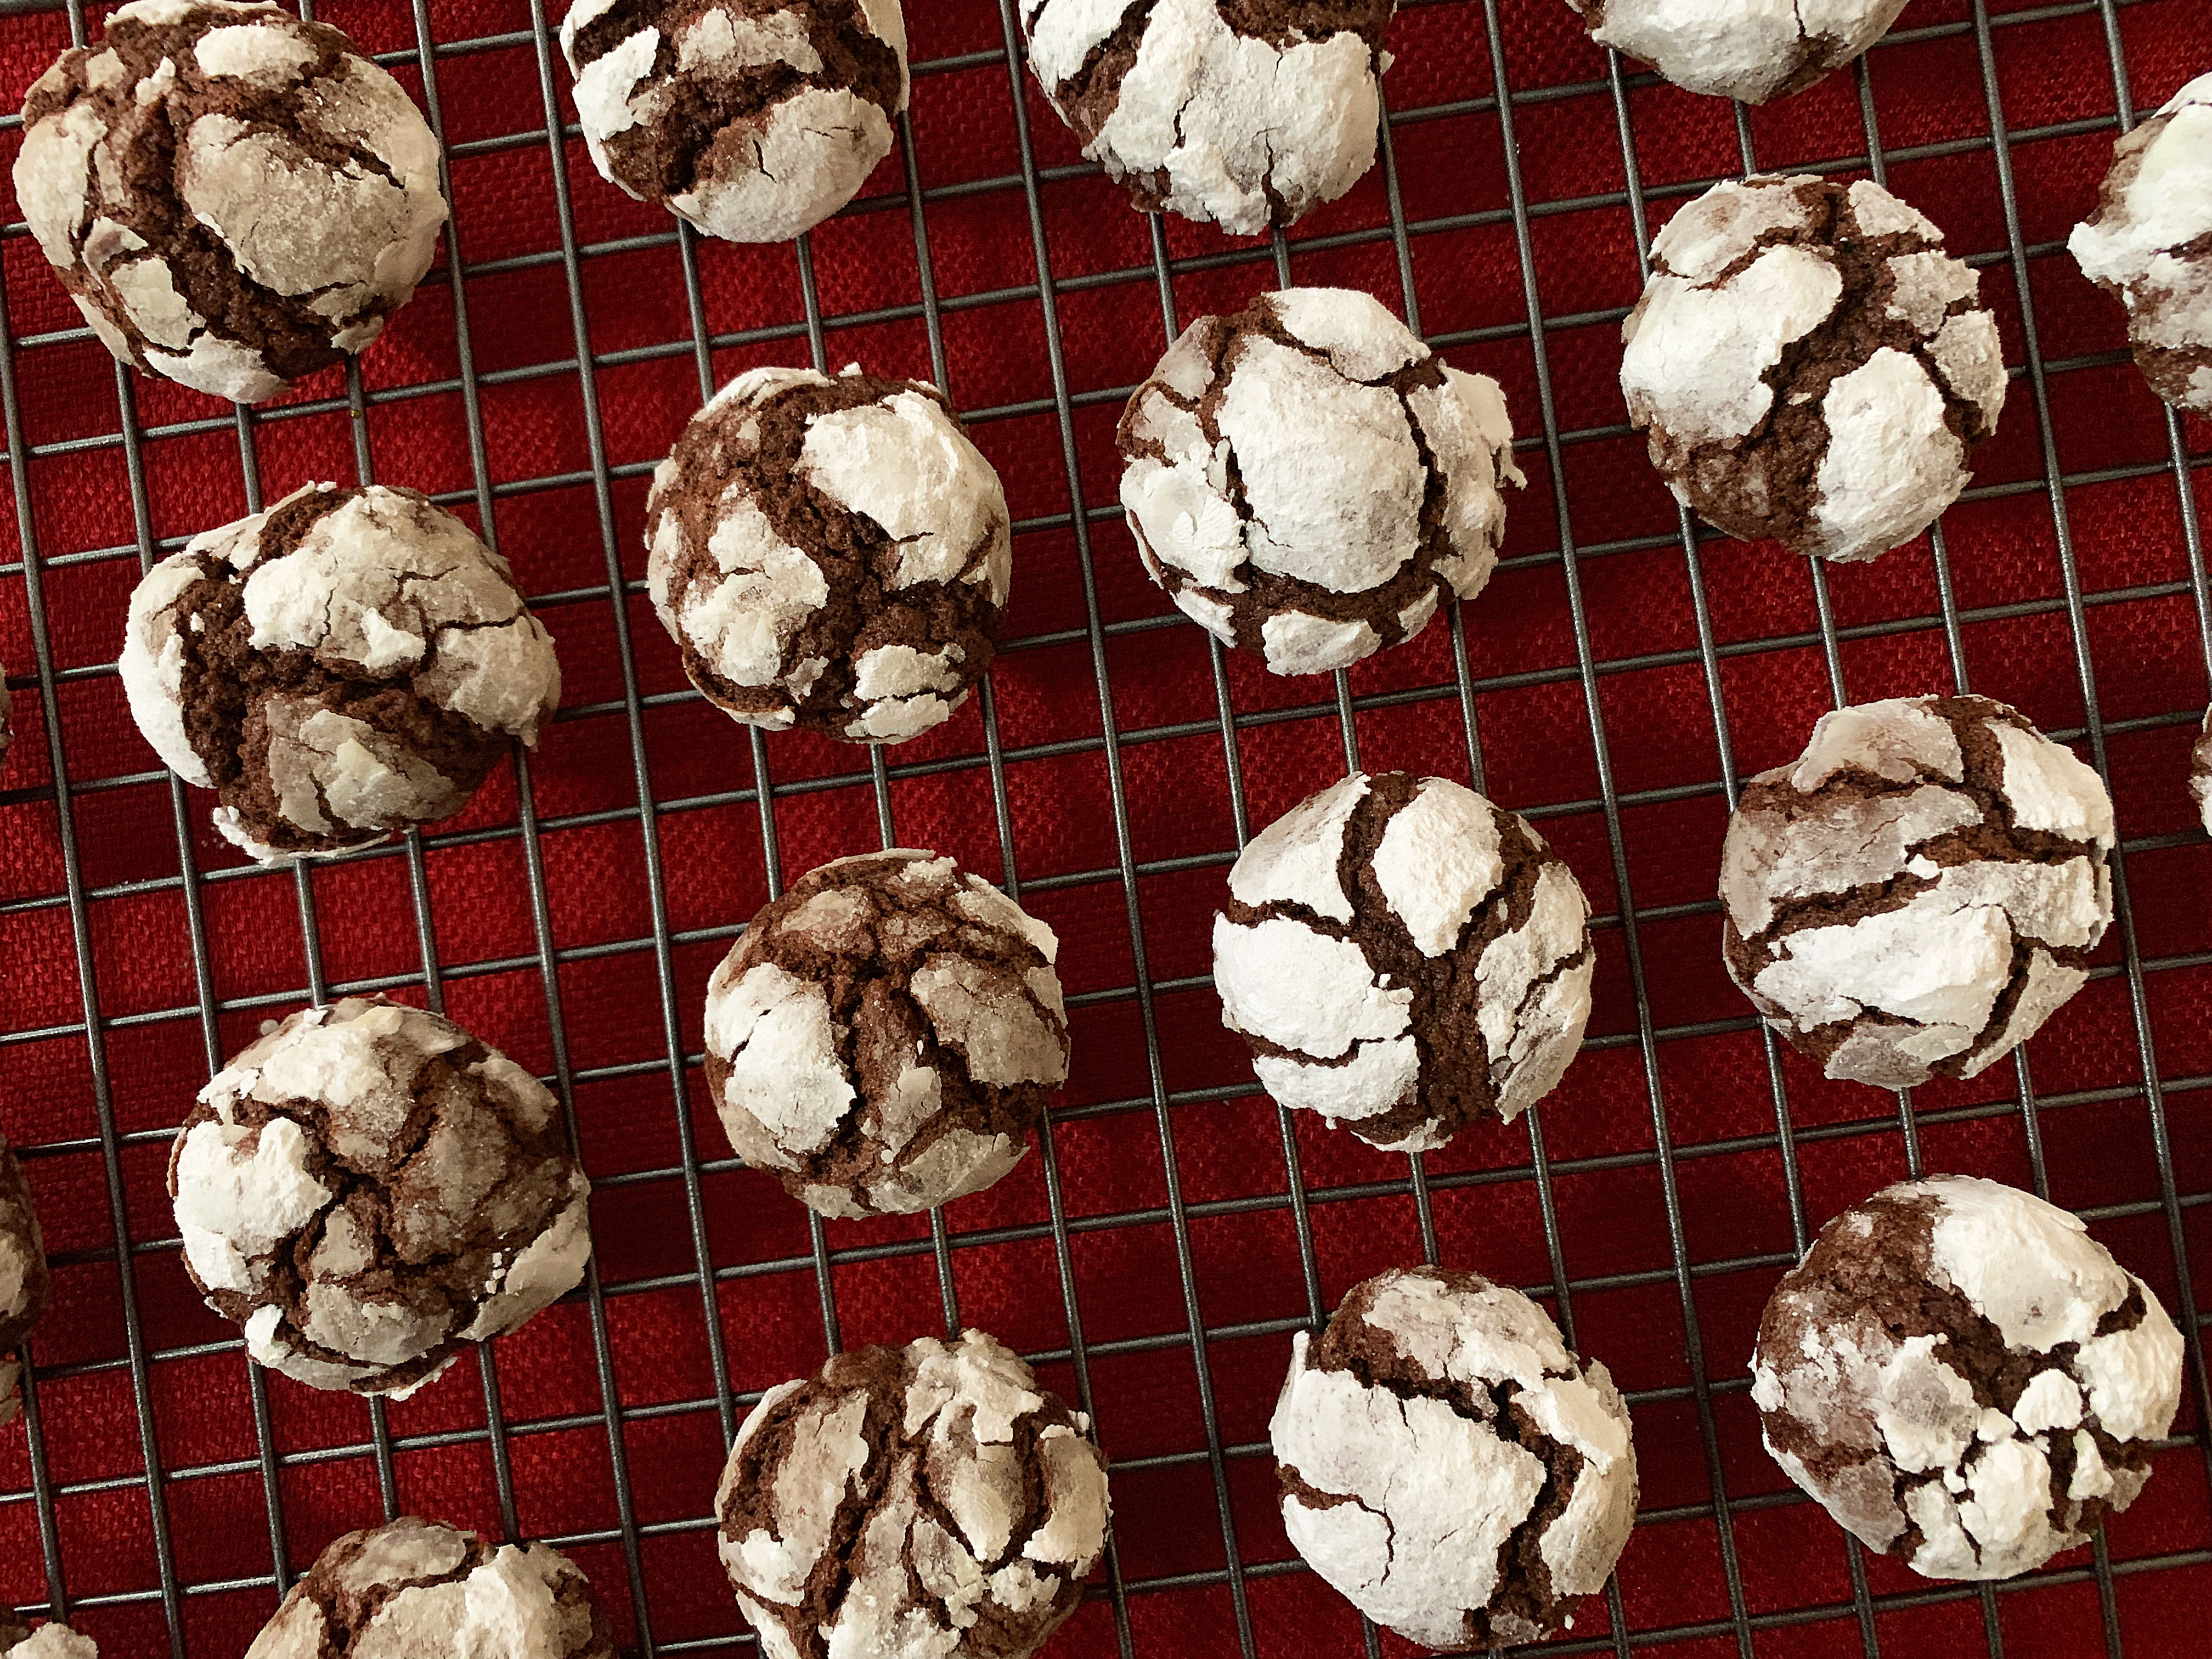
x=1963 y=1378
x=340 y=668
x=2150 y=243
x=368 y=1187
x=925 y=1500
x=233 y=197
x=1406 y=959
x=1754 y=50
x=829 y=553
x=1448 y=1465
x=1245 y=114
x=2200 y=772
x=1809 y=365
x=1920 y=891
x=19 y=1641
x=420 y=1589
x=884 y=1036
x=754 y=122
x=26 y=1283
x=1307 y=481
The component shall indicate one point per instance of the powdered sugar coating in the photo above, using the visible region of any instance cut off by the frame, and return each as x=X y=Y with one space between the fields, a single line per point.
x=49 y=1641
x=1809 y=365
x=884 y=1037
x=1305 y=479
x=1433 y=1440
x=754 y=126
x=1920 y=891
x=1754 y=50
x=421 y=1589
x=926 y=1500
x=1198 y=117
x=1963 y=1378
x=180 y=179
x=2200 y=772
x=359 y=1239
x=264 y=660
x=830 y=552
x=1464 y=991
x=25 y=1285
x=2146 y=243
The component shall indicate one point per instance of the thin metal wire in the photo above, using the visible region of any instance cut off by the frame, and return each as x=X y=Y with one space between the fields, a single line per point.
x=1299 y=1201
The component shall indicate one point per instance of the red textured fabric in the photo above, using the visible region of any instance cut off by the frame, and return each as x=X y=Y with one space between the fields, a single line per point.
x=1121 y=849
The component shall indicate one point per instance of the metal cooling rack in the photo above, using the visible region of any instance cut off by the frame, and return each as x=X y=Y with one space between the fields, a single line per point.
x=1708 y=1384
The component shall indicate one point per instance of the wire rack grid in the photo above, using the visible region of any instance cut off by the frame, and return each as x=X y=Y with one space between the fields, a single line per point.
x=1248 y=1592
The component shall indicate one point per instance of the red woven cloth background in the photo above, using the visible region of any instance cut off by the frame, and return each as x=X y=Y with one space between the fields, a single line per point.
x=575 y=928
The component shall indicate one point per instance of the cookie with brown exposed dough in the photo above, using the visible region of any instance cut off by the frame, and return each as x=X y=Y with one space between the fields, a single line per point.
x=2200 y=772
x=754 y=124
x=2150 y=245
x=1307 y=480
x=1404 y=958
x=1920 y=891
x=344 y=666
x=884 y=1036
x=49 y=1641
x=234 y=197
x=1809 y=364
x=1963 y=1378
x=1450 y=1465
x=829 y=553
x=1243 y=112
x=1754 y=50
x=27 y=1285
x=421 y=1589
x=932 y=1498
x=368 y=1188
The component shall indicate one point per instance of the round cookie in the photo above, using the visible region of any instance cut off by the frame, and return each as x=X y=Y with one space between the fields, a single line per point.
x=755 y=124
x=50 y=1641
x=340 y=668
x=929 y=1499
x=1306 y=480
x=828 y=553
x=884 y=1036
x=1404 y=958
x=2149 y=242
x=1919 y=891
x=420 y=1589
x=1963 y=1378
x=1245 y=115
x=1752 y=50
x=234 y=199
x=368 y=1188
x=1448 y=1465
x=2200 y=772
x=1809 y=365
x=27 y=1285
